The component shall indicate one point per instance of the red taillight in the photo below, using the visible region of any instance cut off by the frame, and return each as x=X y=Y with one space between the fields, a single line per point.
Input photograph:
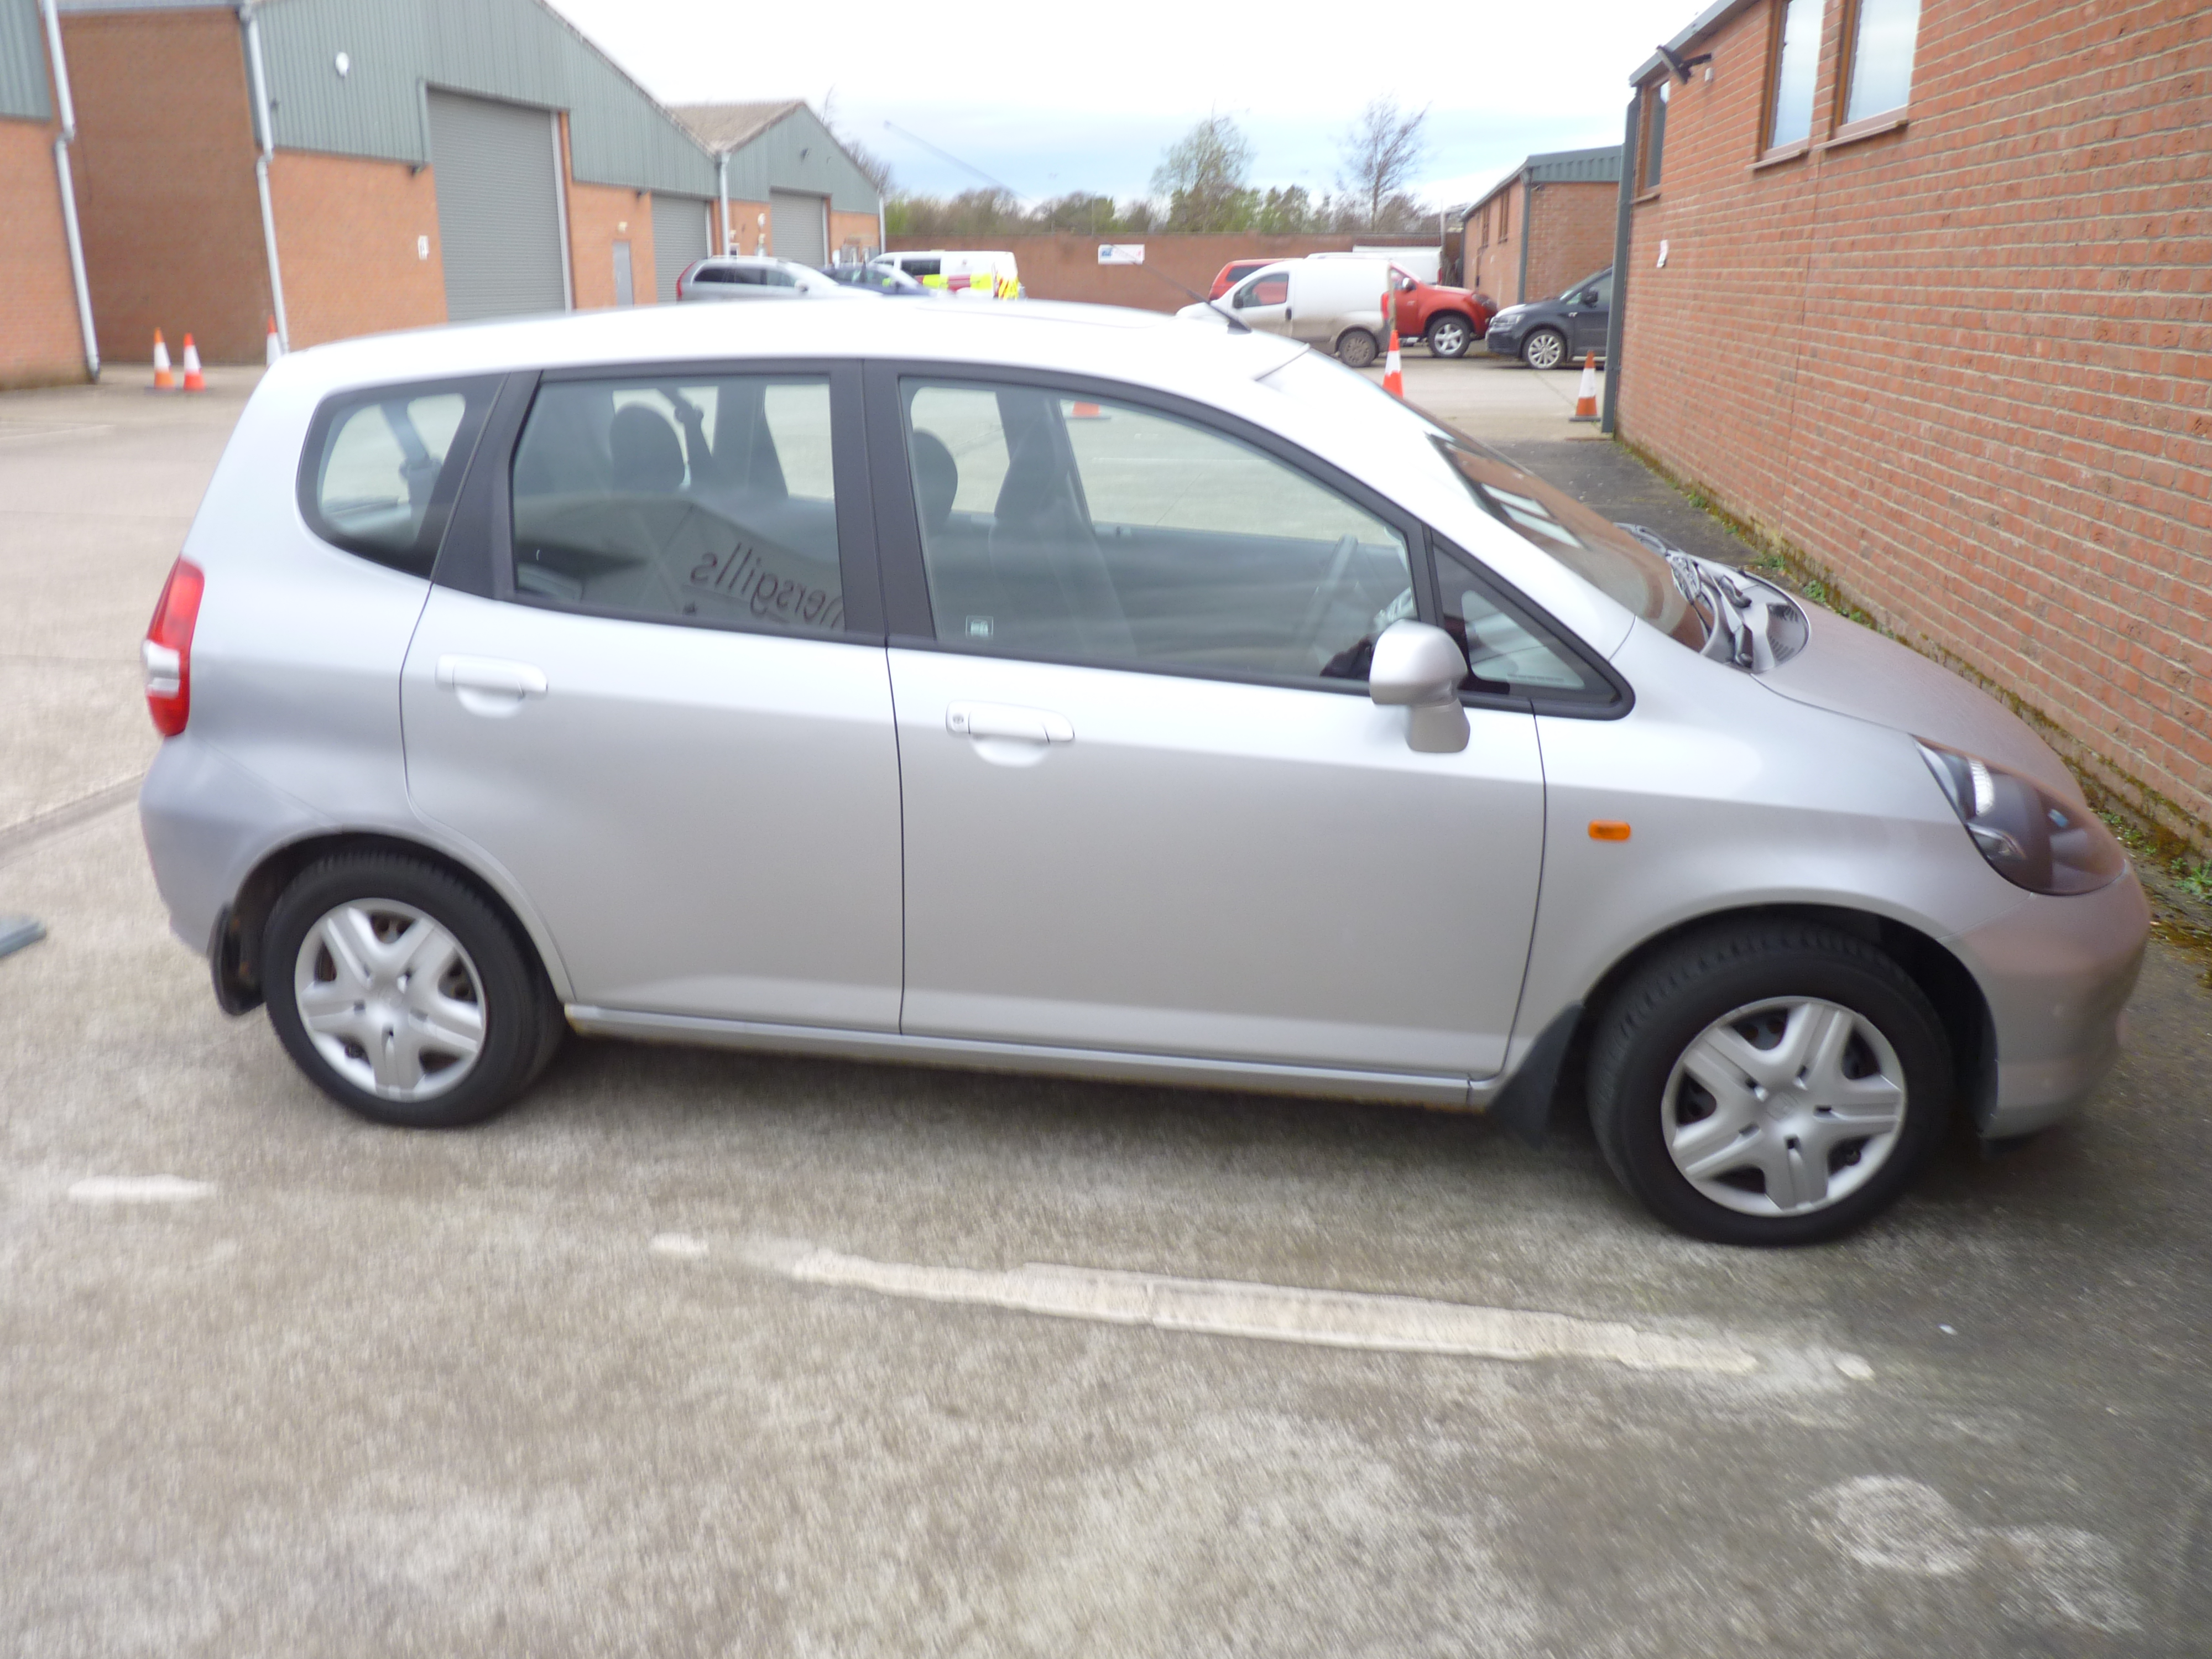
x=680 y=276
x=167 y=650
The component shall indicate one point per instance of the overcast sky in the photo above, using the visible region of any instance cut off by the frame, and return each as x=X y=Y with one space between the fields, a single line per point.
x=1050 y=97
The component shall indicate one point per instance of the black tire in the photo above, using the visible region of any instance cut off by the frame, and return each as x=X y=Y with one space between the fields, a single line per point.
x=1450 y=336
x=1551 y=353
x=521 y=1021
x=1356 y=348
x=1670 y=1003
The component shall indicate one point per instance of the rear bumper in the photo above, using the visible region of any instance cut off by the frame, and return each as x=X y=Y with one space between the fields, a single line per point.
x=207 y=820
x=2056 y=972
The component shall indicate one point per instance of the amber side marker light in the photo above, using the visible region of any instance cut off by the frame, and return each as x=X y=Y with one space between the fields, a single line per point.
x=1608 y=830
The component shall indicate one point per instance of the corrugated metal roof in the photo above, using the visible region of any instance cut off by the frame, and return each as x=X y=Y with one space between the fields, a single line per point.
x=1598 y=165
x=518 y=50
x=23 y=90
x=783 y=145
x=1601 y=166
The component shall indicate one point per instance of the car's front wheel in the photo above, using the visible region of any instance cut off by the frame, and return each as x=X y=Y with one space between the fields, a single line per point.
x=402 y=995
x=1546 y=348
x=1449 y=337
x=1356 y=348
x=1768 y=1083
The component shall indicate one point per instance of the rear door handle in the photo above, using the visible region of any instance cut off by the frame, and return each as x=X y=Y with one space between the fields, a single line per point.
x=515 y=679
x=1001 y=720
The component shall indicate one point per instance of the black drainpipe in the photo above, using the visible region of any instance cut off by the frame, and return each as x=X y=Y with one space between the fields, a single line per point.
x=1621 y=217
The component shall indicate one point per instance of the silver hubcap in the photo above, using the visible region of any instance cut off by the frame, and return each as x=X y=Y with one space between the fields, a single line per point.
x=389 y=999
x=1783 y=1108
x=1546 y=350
x=1449 y=340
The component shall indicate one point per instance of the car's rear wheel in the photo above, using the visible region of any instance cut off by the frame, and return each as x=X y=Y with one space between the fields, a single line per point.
x=1357 y=348
x=1449 y=337
x=1545 y=348
x=1775 y=1083
x=402 y=995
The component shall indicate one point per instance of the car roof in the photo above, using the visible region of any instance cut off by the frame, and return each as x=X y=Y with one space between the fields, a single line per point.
x=1147 y=347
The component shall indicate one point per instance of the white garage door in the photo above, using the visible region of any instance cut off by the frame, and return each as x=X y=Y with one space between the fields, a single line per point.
x=798 y=227
x=499 y=210
x=680 y=225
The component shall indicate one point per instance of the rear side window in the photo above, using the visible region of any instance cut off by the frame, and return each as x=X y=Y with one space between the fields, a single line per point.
x=381 y=467
x=705 y=499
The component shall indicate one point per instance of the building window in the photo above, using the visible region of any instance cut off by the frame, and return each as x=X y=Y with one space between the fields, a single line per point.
x=1797 y=62
x=1881 y=57
x=1505 y=216
x=1655 y=130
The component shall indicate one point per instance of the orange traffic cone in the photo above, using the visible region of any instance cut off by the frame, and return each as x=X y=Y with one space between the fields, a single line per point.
x=1586 y=393
x=194 y=381
x=1086 y=412
x=164 y=380
x=275 y=345
x=1393 y=371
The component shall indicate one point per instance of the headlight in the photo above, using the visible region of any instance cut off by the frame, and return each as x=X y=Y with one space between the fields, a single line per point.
x=2029 y=837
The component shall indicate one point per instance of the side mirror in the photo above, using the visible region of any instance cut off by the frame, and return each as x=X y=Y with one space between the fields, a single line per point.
x=1419 y=667
x=1588 y=296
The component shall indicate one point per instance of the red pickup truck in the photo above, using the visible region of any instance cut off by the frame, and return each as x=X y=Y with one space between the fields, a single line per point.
x=1451 y=319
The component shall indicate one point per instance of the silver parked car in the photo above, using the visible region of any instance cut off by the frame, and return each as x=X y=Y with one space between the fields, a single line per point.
x=1069 y=690
x=753 y=276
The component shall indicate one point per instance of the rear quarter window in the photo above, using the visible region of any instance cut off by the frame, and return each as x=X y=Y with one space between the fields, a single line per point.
x=382 y=466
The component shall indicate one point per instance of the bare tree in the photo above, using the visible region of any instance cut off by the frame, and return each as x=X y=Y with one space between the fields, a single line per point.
x=1379 y=155
x=1202 y=174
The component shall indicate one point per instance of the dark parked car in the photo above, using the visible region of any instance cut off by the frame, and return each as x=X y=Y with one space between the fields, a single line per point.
x=1555 y=333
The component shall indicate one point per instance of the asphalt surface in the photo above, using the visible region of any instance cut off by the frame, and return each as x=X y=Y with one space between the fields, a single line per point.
x=602 y=1378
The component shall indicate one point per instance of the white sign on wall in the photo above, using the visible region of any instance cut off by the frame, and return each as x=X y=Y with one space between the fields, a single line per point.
x=1120 y=253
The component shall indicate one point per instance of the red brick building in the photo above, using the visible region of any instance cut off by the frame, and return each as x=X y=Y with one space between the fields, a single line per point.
x=1063 y=264
x=1920 y=291
x=1547 y=224
x=42 y=340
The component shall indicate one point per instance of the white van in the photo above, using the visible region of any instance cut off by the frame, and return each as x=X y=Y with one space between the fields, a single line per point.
x=986 y=273
x=1334 y=304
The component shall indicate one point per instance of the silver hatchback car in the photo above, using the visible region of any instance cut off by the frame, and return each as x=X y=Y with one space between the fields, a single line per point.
x=1079 y=691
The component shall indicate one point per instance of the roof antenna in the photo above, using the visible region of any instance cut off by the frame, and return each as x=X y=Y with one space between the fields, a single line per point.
x=1236 y=324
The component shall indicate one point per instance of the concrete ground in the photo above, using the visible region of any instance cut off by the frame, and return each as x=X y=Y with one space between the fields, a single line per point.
x=675 y=1359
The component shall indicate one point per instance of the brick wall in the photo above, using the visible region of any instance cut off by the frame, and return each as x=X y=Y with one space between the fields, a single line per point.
x=1571 y=230
x=748 y=226
x=166 y=197
x=39 y=344
x=599 y=216
x=853 y=230
x=1963 y=369
x=1062 y=265
x=1494 y=235
x=347 y=233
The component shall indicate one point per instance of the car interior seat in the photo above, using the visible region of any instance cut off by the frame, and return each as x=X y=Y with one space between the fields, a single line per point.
x=1043 y=552
x=647 y=456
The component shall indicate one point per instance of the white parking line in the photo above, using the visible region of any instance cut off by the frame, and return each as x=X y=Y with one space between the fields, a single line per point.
x=1274 y=1313
x=139 y=1189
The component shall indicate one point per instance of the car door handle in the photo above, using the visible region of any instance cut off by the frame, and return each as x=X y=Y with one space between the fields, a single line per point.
x=1000 y=720
x=514 y=679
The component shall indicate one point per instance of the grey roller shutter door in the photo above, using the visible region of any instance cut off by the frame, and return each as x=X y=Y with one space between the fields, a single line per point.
x=799 y=228
x=499 y=213
x=679 y=236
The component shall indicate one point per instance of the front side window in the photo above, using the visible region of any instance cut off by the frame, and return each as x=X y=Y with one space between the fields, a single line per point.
x=381 y=468
x=1057 y=526
x=1881 y=57
x=1509 y=655
x=1797 y=62
x=1274 y=289
x=699 y=499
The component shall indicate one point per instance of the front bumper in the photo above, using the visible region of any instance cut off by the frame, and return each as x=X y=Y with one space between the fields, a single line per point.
x=1502 y=343
x=2057 y=972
